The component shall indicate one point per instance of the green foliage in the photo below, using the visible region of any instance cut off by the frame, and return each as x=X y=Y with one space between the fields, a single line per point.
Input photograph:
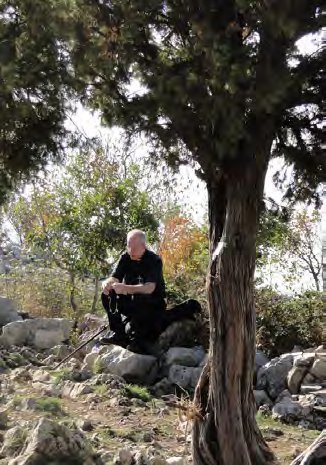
x=289 y=244
x=208 y=79
x=135 y=391
x=283 y=322
x=61 y=375
x=49 y=404
x=44 y=291
x=34 y=73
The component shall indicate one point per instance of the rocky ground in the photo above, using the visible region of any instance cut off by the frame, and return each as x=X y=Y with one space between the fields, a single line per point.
x=95 y=409
x=73 y=415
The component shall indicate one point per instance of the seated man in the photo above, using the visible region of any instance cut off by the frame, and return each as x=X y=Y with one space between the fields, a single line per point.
x=134 y=296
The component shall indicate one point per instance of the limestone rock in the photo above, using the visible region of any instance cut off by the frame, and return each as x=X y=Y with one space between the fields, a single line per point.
x=124 y=457
x=74 y=390
x=190 y=357
x=8 y=311
x=262 y=398
x=134 y=368
x=304 y=360
x=272 y=376
x=185 y=377
x=260 y=360
x=176 y=461
x=318 y=369
x=295 y=377
x=50 y=442
x=42 y=333
x=163 y=387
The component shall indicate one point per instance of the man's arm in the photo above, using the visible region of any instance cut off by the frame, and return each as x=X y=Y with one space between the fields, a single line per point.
x=116 y=277
x=147 y=288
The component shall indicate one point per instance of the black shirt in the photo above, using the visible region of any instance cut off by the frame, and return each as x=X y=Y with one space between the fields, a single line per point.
x=146 y=270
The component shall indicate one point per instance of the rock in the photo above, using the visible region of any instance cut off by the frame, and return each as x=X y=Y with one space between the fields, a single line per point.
x=8 y=311
x=162 y=387
x=61 y=351
x=295 y=377
x=3 y=419
x=74 y=390
x=291 y=411
x=321 y=349
x=42 y=333
x=183 y=333
x=308 y=379
x=176 y=461
x=260 y=360
x=272 y=376
x=50 y=442
x=310 y=388
x=41 y=376
x=90 y=359
x=85 y=425
x=305 y=360
x=262 y=398
x=318 y=369
x=185 y=377
x=134 y=368
x=125 y=457
x=14 y=441
x=190 y=357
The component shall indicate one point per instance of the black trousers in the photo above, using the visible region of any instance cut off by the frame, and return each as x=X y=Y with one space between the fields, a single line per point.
x=134 y=318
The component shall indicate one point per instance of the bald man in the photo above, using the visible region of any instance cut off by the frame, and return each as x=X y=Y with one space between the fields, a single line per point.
x=134 y=296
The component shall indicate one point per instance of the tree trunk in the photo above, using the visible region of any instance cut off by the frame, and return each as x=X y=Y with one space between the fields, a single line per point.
x=73 y=302
x=96 y=294
x=225 y=430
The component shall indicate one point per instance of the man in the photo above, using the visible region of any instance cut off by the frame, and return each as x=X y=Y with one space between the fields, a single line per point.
x=134 y=296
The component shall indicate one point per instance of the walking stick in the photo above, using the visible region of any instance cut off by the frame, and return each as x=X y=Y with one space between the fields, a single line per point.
x=81 y=346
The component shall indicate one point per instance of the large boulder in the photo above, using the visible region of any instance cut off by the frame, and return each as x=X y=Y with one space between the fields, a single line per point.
x=272 y=376
x=134 y=368
x=295 y=377
x=8 y=311
x=318 y=369
x=42 y=333
x=51 y=442
x=190 y=357
x=260 y=360
x=184 y=377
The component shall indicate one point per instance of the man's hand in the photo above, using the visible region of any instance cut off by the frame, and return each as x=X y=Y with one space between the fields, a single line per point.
x=107 y=285
x=119 y=288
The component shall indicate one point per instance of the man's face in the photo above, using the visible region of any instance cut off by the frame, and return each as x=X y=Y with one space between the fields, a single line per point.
x=135 y=247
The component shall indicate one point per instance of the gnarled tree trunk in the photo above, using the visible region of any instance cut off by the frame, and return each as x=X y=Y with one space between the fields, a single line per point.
x=225 y=430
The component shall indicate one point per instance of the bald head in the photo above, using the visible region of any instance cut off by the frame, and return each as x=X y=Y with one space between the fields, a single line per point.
x=136 y=243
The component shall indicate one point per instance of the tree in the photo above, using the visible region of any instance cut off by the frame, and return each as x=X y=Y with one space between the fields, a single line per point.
x=289 y=243
x=34 y=73
x=183 y=248
x=79 y=219
x=222 y=84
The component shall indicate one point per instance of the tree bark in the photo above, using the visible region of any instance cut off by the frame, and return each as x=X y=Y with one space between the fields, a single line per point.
x=225 y=430
x=73 y=302
x=96 y=294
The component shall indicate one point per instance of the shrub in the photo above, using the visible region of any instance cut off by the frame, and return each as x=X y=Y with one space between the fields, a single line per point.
x=138 y=392
x=283 y=322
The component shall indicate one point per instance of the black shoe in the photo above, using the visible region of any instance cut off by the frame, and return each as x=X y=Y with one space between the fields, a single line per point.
x=136 y=348
x=113 y=338
x=144 y=348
